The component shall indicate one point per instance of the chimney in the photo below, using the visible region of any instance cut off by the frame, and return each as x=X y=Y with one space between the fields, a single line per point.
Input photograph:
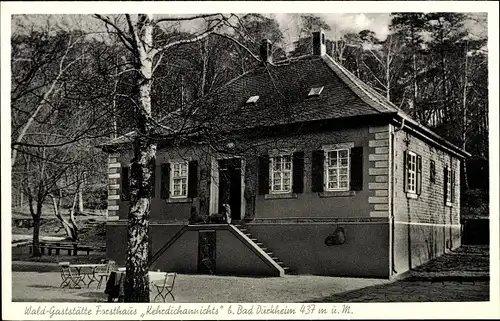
x=319 y=43
x=265 y=51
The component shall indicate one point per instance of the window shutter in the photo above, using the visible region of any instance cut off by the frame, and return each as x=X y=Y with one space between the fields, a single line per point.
x=419 y=174
x=433 y=172
x=193 y=179
x=263 y=175
x=298 y=172
x=357 y=168
x=165 y=181
x=318 y=158
x=153 y=182
x=445 y=183
x=405 y=171
x=452 y=186
x=125 y=183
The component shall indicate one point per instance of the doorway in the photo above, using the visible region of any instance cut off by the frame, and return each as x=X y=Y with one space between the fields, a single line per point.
x=206 y=252
x=230 y=185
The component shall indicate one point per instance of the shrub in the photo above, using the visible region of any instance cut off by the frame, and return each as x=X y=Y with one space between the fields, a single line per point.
x=96 y=197
x=475 y=202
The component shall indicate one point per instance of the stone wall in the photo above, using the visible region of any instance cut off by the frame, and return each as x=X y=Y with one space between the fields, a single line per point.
x=426 y=226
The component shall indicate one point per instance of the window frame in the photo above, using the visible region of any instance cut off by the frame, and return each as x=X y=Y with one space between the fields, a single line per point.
x=272 y=158
x=449 y=189
x=315 y=91
x=432 y=171
x=173 y=178
x=411 y=155
x=331 y=148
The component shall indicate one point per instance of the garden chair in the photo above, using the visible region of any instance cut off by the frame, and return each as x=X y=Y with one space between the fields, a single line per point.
x=165 y=287
x=68 y=278
x=102 y=273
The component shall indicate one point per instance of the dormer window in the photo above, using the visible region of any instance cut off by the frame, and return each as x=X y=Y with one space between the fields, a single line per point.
x=315 y=91
x=252 y=100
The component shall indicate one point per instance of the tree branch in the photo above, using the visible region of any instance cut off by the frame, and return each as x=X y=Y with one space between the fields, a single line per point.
x=239 y=44
x=188 y=41
x=124 y=39
x=188 y=18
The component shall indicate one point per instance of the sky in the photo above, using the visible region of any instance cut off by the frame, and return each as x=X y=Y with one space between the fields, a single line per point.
x=340 y=23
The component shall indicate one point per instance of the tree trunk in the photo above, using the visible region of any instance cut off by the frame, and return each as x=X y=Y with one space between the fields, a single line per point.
x=415 y=84
x=443 y=75
x=388 y=61
x=204 y=58
x=36 y=236
x=36 y=226
x=70 y=227
x=80 y=200
x=388 y=79
x=137 y=282
x=72 y=222
x=464 y=115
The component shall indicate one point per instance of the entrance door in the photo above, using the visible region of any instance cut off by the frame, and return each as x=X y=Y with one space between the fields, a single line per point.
x=230 y=186
x=206 y=252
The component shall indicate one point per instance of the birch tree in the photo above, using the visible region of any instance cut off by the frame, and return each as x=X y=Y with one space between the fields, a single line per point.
x=57 y=100
x=136 y=33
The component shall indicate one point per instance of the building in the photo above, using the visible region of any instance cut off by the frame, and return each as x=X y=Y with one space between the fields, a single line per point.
x=339 y=181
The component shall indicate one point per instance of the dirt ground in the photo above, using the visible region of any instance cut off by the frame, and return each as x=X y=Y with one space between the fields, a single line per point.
x=461 y=275
x=44 y=287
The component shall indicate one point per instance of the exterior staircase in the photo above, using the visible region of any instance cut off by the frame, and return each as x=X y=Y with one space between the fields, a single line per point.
x=263 y=247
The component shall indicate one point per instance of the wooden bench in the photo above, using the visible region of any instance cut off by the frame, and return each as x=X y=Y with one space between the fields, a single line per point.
x=71 y=247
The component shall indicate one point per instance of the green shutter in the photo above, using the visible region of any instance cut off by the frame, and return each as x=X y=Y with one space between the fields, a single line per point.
x=193 y=179
x=125 y=183
x=298 y=172
x=445 y=180
x=318 y=158
x=405 y=171
x=452 y=198
x=165 y=181
x=357 y=168
x=419 y=174
x=263 y=175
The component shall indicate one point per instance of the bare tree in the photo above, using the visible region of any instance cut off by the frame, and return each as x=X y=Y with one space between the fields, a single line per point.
x=39 y=80
x=137 y=35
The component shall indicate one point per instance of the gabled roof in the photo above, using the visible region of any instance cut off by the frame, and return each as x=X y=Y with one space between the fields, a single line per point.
x=283 y=95
x=283 y=91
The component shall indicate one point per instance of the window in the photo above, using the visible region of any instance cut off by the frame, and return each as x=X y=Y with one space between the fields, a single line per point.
x=179 y=179
x=337 y=170
x=449 y=188
x=252 y=100
x=316 y=91
x=412 y=172
x=433 y=171
x=281 y=174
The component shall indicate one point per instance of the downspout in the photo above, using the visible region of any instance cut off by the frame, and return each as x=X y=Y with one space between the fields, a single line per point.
x=392 y=219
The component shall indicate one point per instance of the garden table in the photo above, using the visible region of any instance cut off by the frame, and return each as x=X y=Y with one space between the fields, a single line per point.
x=115 y=286
x=87 y=271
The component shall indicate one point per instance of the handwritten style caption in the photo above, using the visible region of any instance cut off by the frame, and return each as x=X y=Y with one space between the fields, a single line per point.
x=148 y=311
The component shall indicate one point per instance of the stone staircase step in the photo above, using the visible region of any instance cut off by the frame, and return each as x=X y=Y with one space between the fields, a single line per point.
x=261 y=246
